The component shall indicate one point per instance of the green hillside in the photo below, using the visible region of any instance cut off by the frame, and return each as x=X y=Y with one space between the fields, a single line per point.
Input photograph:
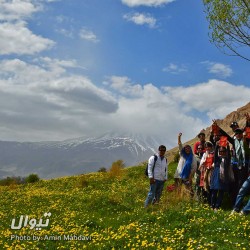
x=105 y=211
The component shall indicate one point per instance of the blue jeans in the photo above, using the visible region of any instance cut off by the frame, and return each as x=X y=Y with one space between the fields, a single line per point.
x=154 y=193
x=239 y=199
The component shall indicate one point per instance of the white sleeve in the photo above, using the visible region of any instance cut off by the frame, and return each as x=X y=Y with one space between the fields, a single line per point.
x=203 y=159
x=150 y=167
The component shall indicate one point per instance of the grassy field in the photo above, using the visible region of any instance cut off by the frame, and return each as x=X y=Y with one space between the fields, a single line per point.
x=105 y=211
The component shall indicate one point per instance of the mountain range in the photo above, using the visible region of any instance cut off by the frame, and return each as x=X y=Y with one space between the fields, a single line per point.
x=75 y=156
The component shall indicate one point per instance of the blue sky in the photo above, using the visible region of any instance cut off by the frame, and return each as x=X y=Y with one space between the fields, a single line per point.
x=84 y=67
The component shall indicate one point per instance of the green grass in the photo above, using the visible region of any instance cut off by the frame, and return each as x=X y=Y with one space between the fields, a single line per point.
x=110 y=211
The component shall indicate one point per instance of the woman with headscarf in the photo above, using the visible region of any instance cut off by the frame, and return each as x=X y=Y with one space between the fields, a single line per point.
x=186 y=165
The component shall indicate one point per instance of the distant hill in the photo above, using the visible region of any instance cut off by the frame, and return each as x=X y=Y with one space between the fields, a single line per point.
x=238 y=116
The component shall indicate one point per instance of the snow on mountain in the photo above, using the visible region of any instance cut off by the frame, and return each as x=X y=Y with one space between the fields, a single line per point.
x=73 y=156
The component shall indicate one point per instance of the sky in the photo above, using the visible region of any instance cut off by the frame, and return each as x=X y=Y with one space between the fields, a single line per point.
x=83 y=68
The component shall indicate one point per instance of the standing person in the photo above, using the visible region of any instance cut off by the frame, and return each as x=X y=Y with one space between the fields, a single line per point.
x=186 y=166
x=201 y=141
x=245 y=188
x=198 y=156
x=241 y=157
x=206 y=168
x=222 y=175
x=157 y=174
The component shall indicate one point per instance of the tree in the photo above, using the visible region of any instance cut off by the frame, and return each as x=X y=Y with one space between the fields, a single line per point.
x=116 y=168
x=229 y=25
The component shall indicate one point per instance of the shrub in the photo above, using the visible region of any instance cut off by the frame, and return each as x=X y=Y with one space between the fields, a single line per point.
x=32 y=178
x=102 y=170
x=83 y=182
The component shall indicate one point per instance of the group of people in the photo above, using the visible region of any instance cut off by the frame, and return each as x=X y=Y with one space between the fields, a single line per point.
x=213 y=167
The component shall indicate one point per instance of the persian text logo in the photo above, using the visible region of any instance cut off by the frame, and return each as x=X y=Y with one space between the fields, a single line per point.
x=24 y=220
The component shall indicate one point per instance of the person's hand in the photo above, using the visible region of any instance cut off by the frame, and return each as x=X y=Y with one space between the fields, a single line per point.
x=244 y=134
x=180 y=134
x=152 y=180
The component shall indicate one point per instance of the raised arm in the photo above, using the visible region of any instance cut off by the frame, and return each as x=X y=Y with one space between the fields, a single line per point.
x=224 y=133
x=179 y=142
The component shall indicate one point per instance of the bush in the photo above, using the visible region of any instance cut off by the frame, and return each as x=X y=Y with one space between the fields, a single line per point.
x=8 y=181
x=102 y=170
x=32 y=178
x=83 y=182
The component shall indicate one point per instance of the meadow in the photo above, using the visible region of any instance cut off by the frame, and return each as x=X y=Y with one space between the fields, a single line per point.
x=105 y=211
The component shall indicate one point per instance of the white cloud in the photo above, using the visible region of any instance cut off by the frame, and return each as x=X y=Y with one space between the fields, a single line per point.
x=18 y=9
x=173 y=109
x=141 y=19
x=88 y=35
x=44 y=100
x=17 y=39
x=135 y=3
x=215 y=98
x=154 y=113
x=174 y=68
x=65 y=32
x=124 y=86
x=219 y=69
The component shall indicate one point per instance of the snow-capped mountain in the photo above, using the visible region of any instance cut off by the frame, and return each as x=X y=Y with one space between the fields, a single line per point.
x=74 y=156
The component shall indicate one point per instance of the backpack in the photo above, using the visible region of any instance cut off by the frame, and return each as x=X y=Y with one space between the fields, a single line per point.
x=146 y=169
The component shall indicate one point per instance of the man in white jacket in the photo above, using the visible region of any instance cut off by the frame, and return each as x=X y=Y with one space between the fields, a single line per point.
x=157 y=174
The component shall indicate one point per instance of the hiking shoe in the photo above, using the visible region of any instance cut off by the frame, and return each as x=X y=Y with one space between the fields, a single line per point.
x=233 y=212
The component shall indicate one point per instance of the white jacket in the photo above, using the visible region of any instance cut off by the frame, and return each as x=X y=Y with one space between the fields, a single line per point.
x=160 y=169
